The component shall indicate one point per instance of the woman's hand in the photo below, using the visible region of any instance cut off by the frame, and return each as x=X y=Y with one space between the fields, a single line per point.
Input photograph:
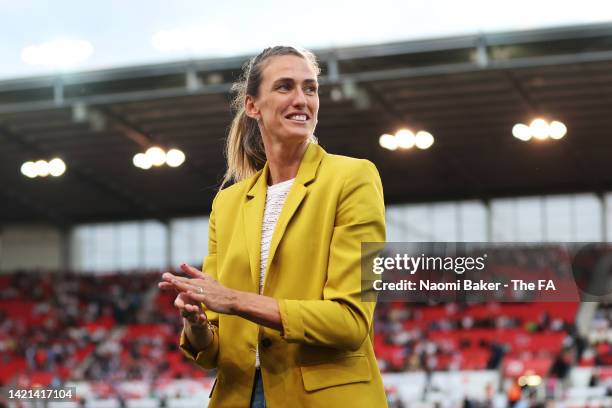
x=201 y=287
x=190 y=309
x=194 y=314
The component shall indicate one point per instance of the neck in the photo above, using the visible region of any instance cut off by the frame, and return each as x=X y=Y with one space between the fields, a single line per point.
x=284 y=160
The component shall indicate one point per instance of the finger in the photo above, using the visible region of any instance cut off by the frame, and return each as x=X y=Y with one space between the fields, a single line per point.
x=191 y=318
x=192 y=308
x=166 y=286
x=175 y=281
x=178 y=303
x=202 y=319
x=171 y=285
x=167 y=276
x=188 y=301
x=201 y=316
x=191 y=271
x=183 y=286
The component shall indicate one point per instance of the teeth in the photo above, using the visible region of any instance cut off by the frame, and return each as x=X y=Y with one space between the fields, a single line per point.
x=298 y=117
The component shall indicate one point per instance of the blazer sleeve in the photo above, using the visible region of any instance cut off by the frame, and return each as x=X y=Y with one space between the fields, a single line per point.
x=206 y=358
x=342 y=319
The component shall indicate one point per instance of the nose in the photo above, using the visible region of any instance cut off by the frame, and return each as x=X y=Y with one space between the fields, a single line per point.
x=299 y=97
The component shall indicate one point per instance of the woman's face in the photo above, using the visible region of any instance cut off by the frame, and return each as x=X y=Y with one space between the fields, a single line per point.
x=288 y=102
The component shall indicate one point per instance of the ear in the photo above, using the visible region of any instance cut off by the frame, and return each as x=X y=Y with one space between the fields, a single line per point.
x=250 y=108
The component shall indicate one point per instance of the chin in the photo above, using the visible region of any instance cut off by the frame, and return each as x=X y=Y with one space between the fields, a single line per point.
x=302 y=135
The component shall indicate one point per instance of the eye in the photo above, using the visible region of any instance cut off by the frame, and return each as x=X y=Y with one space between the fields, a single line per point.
x=283 y=87
x=311 y=89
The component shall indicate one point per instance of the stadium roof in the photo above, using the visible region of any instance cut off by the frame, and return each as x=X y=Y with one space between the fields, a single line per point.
x=467 y=91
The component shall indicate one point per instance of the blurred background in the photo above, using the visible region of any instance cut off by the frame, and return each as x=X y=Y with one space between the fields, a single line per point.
x=488 y=121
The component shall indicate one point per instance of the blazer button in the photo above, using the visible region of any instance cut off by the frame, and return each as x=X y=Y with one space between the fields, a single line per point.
x=266 y=342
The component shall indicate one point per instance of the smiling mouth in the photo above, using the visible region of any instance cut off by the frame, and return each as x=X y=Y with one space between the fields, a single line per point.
x=297 y=117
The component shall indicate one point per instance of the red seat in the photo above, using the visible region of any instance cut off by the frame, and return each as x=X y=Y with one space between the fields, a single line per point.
x=517 y=367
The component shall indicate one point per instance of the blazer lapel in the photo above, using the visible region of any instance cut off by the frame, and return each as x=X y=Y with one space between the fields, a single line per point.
x=252 y=213
x=306 y=173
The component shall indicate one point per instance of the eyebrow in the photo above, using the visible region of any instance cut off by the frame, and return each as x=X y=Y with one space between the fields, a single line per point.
x=280 y=80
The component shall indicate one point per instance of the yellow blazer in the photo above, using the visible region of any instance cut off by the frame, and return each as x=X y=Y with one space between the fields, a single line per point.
x=325 y=356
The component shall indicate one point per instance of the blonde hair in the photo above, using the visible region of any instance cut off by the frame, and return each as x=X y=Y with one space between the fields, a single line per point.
x=244 y=149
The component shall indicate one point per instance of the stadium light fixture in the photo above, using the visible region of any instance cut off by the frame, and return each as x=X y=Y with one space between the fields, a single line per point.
x=521 y=132
x=424 y=140
x=539 y=129
x=406 y=139
x=388 y=142
x=557 y=129
x=175 y=157
x=142 y=161
x=61 y=53
x=41 y=168
x=156 y=156
x=57 y=167
x=28 y=169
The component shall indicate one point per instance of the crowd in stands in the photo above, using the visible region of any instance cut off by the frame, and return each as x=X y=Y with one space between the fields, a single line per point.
x=599 y=352
x=57 y=327
x=51 y=323
x=453 y=336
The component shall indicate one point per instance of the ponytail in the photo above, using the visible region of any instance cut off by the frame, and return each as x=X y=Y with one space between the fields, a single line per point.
x=244 y=149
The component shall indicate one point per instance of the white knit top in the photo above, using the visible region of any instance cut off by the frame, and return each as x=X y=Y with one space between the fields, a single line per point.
x=275 y=199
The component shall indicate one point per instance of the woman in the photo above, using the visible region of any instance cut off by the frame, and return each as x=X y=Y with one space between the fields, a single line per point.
x=278 y=309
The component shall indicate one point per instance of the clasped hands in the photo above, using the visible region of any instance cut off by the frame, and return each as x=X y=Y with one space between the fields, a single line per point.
x=197 y=289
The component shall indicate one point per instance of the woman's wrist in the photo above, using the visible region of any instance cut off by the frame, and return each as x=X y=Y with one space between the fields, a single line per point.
x=199 y=335
x=263 y=310
x=235 y=302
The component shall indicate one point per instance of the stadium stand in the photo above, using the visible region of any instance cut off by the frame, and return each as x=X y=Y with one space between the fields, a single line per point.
x=115 y=337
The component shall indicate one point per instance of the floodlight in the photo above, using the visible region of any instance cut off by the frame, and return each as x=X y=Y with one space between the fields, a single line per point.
x=156 y=156
x=557 y=129
x=29 y=169
x=142 y=161
x=539 y=129
x=521 y=132
x=175 y=157
x=57 y=167
x=424 y=140
x=405 y=138
x=42 y=168
x=388 y=141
